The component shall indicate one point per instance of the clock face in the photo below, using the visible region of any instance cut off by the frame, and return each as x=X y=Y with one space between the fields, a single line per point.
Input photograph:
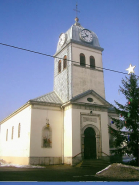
x=86 y=35
x=62 y=39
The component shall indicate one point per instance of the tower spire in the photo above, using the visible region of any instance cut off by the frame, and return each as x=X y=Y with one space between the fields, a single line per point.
x=76 y=18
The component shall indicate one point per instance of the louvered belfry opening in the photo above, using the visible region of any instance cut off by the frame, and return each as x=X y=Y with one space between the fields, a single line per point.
x=65 y=62
x=59 y=66
x=92 y=62
x=82 y=59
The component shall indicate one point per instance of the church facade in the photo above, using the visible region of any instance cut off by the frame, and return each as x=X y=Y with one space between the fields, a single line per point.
x=71 y=123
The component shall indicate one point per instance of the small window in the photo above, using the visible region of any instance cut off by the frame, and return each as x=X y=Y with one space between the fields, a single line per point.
x=90 y=99
x=12 y=132
x=92 y=62
x=65 y=62
x=59 y=66
x=7 y=135
x=19 y=129
x=82 y=59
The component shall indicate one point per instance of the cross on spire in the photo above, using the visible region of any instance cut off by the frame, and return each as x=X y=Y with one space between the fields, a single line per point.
x=76 y=10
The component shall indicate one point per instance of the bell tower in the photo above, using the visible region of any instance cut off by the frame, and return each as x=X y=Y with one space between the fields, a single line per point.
x=78 y=63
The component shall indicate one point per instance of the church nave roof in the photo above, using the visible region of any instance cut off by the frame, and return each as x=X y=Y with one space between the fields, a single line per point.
x=51 y=97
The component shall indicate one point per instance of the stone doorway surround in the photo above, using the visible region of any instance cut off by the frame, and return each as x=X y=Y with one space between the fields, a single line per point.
x=93 y=121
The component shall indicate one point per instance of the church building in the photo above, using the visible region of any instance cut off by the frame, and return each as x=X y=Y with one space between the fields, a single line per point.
x=71 y=123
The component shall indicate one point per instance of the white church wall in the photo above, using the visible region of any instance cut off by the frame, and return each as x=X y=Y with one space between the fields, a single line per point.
x=85 y=78
x=76 y=132
x=68 y=135
x=76 y=137
x=38 y=153
x=16 y=150
x=77 y=49
x=105 y=134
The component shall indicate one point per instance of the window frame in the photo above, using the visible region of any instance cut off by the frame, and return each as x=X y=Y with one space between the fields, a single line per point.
x=82 y=60
x=19 y=130
x=92 y=60
x=65 y=62
x=12 y=135
x=6 y=134
x=59 y=66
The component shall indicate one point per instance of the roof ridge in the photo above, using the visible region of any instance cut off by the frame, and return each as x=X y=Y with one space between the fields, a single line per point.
x=42 y=95
x=58 y=96
x=88 y=92
x=51 y=97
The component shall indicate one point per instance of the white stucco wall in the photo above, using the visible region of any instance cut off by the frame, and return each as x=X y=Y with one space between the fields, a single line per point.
x=84 y=78
x=38 y=122
x=77 y=49
x=104 y=133
x=76 y=132
x=16 y=150
x=68 y=131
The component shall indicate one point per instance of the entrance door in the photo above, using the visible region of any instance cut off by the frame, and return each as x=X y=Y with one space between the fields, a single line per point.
x=89 y=143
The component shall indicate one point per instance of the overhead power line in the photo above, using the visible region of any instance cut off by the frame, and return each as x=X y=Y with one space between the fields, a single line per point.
x=59 y=57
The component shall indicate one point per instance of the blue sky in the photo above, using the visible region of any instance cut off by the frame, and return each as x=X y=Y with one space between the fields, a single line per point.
x=37 y=24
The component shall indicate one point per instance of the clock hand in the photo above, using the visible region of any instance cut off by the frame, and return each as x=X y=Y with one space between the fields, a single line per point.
x=85 y=36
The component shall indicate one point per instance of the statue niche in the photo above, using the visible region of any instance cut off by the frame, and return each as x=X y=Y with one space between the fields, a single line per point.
x=46 y=137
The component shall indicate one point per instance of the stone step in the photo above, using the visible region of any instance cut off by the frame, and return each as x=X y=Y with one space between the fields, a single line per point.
x=95 y=163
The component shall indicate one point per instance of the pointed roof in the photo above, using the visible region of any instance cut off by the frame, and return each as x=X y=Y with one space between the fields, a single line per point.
x=87 y=93
x=51 y=97
x=73 y=35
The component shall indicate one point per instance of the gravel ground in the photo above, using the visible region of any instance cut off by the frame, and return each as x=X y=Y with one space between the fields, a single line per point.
x=119 y=171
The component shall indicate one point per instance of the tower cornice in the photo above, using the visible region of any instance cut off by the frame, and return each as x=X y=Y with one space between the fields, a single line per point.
x=79 y=43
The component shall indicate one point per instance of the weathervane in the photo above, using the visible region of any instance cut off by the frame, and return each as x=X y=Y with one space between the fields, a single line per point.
x=76 y=10
x=130 y=69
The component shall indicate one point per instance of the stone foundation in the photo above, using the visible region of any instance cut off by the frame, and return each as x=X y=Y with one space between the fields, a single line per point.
x=68 y=160
x=72 y=161
x=45 y=160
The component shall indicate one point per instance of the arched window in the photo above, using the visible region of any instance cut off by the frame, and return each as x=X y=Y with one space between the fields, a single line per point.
x=92 y=62
x=7 y=135
x=46 y=137
x=65 y=62
x=12 y=132
x=59 y=66
x=19 y=129
x=82 y=59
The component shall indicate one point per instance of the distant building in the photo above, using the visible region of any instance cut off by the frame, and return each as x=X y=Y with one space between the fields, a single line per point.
x=70 y=123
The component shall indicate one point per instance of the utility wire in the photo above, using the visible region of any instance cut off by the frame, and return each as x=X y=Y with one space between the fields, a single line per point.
x=59 y=57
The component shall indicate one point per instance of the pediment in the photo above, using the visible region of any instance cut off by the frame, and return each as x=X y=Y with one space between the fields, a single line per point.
x=90 y=97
